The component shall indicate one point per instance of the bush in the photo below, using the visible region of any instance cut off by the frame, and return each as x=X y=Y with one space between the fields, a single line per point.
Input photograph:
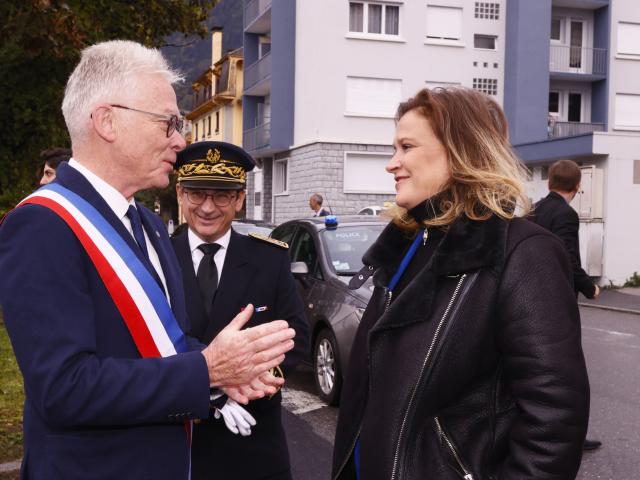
x=634 y=281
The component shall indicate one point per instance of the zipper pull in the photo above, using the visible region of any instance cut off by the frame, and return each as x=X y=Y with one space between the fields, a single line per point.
x=425 y=236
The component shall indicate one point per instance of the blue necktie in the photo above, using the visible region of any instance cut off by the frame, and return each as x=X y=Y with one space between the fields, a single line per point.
x=138 y=234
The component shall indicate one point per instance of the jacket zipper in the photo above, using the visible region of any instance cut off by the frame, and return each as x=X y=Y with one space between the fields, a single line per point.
x=466 y=473
x=394 y=471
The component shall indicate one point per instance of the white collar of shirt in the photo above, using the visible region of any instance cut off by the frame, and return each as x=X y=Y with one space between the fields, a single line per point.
x=119 y=204
x=196 y=254
x=113 y=197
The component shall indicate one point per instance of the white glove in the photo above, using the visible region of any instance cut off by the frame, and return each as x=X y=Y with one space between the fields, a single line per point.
x=236 y=418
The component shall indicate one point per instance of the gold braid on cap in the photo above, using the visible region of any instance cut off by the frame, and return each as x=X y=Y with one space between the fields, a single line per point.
x=213 y=165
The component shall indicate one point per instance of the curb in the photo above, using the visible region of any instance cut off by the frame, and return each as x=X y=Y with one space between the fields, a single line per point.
x=613 y=309
x=10 y=466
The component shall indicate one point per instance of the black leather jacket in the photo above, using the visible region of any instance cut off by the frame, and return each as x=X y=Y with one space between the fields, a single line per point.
x=475 y=370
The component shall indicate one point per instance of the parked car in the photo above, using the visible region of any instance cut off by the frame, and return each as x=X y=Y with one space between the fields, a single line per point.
x=325 y=253
x=244 y=227
x=371 y=210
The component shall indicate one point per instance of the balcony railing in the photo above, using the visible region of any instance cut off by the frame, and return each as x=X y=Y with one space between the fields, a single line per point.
x=257 y=138
x=254 y=10
x=257 y=71
x=571 y=129
x=567 y=59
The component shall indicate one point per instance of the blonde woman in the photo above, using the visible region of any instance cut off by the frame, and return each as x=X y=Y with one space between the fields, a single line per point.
x=467 y=362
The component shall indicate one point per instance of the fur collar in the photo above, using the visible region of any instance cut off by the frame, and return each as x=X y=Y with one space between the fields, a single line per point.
x=467 y=245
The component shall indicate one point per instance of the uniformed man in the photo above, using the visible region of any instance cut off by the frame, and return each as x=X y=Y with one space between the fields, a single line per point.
x=222 y=272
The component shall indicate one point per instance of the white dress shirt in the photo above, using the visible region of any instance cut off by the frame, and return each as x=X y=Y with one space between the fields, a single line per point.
x=119 y=204
x=196 y=254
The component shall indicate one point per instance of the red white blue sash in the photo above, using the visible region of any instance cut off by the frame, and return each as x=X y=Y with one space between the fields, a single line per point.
x=136 y=294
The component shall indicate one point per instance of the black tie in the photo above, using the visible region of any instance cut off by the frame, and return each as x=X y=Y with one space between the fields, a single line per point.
x=138 y=234
x=207 y=275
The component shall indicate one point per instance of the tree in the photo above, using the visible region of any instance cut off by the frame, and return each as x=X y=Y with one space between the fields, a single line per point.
x=40 y=43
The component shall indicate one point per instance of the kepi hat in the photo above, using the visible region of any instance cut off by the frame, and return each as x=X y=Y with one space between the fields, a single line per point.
x=214 y=165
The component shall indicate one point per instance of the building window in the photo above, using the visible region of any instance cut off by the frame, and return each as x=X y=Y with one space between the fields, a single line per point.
x=196 y=131
x=486 y=42
x=627 y=111
x=374 y=18
x=487 y=10
x=486 y=85
x=629 y=38
x=280 y=177
x=556 y=29
x=217 y=121
x=444 y=23
x=365 y=173
x=378 y=97
x=554 y=103
x=209 y=125
x=203 y=120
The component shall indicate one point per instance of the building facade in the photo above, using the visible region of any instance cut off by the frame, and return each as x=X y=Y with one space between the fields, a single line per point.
x=572 y=91
x=323 y=81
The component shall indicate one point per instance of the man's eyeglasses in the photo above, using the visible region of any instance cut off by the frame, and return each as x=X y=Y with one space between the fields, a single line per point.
x=220 y=198
x=173 y=121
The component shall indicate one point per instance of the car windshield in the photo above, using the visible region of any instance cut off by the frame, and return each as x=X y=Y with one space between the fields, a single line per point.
x=346 y=246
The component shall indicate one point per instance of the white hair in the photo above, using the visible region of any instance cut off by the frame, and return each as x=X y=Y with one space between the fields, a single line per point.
x=106 y=72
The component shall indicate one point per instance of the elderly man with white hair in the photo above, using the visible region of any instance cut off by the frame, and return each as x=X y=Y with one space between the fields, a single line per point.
x=96 y=313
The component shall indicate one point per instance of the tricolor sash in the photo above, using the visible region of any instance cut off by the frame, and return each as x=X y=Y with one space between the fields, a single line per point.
x=136 y=294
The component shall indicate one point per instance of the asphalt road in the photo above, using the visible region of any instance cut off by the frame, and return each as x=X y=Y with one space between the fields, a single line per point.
x=611 y=342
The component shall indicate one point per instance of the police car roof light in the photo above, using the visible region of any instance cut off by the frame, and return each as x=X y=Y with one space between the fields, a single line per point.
x=331 y=221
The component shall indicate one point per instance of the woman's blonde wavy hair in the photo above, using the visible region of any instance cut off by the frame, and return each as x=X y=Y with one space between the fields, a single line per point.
x=486 y=177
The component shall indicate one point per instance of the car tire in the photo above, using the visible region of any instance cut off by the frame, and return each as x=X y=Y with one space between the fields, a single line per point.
x=326 y=367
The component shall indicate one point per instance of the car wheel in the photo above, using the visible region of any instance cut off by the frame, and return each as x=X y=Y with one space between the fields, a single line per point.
x=326 y=367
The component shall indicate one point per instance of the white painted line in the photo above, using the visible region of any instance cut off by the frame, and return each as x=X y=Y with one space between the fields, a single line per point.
x=611 y=332
x=299 y=402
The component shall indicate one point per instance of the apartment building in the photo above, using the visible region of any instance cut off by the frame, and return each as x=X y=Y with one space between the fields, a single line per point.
x=323 y=80
x=572 y=91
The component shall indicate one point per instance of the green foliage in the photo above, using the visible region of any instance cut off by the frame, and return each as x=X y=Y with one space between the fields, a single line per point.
x=11 y=400
x=40 y=43
x=633 y=281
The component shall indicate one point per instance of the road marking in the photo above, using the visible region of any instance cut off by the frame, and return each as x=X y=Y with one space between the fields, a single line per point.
x=299 y=402
x=612 y=332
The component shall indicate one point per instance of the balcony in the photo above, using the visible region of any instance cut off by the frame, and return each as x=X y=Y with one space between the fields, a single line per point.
x=257 y=77
x=257 y=138
x=572 y=129
x=257 y=16
x=577 y=63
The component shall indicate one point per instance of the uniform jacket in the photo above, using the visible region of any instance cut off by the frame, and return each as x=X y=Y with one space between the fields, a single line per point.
x=259 y=273
x=475 y=368
x=556 y=215
x=94 y=409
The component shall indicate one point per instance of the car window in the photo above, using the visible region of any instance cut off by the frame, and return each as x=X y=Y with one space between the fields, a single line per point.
x=304 y=250
x=366 y=211
x=285 y=233
x=347 y=245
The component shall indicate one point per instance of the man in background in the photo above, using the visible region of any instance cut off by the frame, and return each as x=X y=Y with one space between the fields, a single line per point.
x=556 y=215
x=315 y=204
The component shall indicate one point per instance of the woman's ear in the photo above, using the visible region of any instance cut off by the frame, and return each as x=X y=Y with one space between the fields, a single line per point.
x=104 y=123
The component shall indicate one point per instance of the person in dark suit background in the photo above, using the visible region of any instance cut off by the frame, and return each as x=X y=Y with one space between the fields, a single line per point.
x=555 y=214
x=315 y=204
x=222 y=271
x=99 y=404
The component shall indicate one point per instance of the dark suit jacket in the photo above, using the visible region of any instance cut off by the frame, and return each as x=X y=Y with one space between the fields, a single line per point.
x=557 y=216
x=323 y=212
x=259 y=273
x=94 y=409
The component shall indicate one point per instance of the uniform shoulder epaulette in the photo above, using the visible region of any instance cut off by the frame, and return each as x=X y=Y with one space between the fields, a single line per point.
x=270 y=240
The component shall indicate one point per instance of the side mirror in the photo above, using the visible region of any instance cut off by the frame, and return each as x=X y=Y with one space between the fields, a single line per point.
x=299 y=269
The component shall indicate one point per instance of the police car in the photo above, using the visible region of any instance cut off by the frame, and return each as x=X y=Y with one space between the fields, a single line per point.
x=325 y=253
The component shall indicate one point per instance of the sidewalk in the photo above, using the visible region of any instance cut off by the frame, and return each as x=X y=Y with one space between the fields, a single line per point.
x=625 y=300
